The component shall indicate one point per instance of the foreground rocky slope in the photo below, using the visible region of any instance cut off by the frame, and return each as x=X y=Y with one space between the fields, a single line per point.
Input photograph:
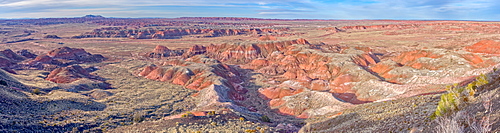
x=480 y=114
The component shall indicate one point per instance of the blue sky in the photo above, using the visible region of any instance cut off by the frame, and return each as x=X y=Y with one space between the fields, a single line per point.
x=281 y=9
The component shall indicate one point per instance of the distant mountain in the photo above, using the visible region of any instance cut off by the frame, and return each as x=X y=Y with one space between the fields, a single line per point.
x=92 y=16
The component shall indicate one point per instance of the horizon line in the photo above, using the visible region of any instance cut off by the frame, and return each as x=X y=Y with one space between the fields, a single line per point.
x=382 y=19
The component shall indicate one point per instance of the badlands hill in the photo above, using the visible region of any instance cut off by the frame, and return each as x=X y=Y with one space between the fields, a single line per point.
x=96 y=74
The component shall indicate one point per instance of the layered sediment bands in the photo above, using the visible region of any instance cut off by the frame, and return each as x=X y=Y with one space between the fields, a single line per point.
x=466 y=27
x=64 y=56
x=10 y=60
x=292 y=71
x=26 y=54
x=162 y=51
x=195 y=50
x=332 y=29
x=244 y=53
x=378 y=27
x=119 y=32
x=268 y=38
x=485 y=46
x=199 y=73
x=235 y=53
x=357 y=75
x=69 y=74
x=397 y=68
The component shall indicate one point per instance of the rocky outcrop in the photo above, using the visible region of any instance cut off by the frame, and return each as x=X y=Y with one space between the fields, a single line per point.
x=9 y=60
x=353 y=73
x=68 y=74
x=11 y=55
x=26 y=54
x=244 y=53
x=77 y=54
x=195 y=50
x=296 y=70
x=379 y=27
x=267 y=38
x=390 y=69
x=52 y=36
x=162 y=51
x=197 y=73
x=64 y=56
x=332 y=29
x=118 y=32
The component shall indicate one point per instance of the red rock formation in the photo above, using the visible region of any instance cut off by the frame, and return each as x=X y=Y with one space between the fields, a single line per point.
x=11 y=55
x=267 y=38
x=245 y=53
x=365 y=59
x=118 y=32
x=410 y=59
x=9 y=60
x=195 y=50
x=162 y=51
x=485 y=46
x=62 y=57
x=65 y=55
x=383 y=69
x=181 y=78
x=332 y=29
x=52 y=36
x=26 y=54
x=68 y=74
x=147 y=70
x=379 y=27
x=198 y=75
x=278 y=92
x=5 y=62
x=477 y=61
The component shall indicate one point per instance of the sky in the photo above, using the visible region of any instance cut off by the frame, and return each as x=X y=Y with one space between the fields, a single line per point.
x=482 y=10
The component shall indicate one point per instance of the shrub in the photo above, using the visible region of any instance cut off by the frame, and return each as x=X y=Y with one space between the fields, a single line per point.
x=37 y=91
x=187 y=114
x=4 y=83
x=250 y=130
x=211 y=113
x=457 y=96
x=138 y=117
x=264 y=118
x=449 y=125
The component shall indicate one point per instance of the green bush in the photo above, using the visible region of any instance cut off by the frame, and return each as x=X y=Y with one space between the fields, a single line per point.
x=458 y=96
x=37 y=91
x=264 y=118
x=139 y=117
x=187 y=114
